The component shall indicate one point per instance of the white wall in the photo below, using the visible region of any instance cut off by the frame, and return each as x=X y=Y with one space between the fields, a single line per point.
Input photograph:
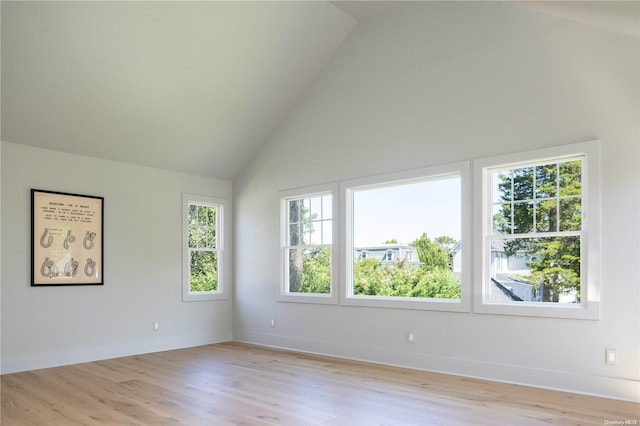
x=432 y=83
x=47 y=326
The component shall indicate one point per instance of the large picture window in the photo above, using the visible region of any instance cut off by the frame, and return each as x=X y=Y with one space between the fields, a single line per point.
x=308 y=235
x=204 y=248
x=536 y=238
x=407 y=242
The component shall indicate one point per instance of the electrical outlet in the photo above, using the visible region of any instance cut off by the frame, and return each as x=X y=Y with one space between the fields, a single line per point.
x=411 y=337
x=156 y=326
x=273 y=323
x=611 y=357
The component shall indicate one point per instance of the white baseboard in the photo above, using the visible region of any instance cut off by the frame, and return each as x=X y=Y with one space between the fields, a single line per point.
x=96 y=353
x=574 y=382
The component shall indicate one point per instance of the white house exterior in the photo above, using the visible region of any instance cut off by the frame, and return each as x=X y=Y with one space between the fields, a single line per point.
x=389 y=253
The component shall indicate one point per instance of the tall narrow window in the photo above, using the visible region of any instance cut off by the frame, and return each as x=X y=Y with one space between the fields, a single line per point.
x=308 y=233
x=535 y=245
x=407 y=236
x=203 y=235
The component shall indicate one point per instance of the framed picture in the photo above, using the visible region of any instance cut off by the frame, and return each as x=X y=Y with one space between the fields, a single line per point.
x=66 y=239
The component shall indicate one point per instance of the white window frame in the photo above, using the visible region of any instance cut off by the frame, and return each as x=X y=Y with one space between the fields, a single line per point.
x=285 y=295
x=347 y=188
x=589 y=306
x=223 y=231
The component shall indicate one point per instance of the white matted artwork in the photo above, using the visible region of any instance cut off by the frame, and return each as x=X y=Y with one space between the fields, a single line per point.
x=66 y=239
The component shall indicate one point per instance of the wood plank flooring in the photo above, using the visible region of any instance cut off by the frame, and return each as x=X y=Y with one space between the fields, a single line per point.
x=239 y=384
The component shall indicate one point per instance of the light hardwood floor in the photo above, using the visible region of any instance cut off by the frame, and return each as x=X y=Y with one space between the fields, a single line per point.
x=240 y=384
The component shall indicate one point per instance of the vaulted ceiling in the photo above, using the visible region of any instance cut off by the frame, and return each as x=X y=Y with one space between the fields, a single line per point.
x=189 y=86
x=194 y=87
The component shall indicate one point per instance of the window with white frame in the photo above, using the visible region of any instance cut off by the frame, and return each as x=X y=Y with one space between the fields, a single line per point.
x=203 y=248
x=308 y=235
x=407 y=239
x=537 y=232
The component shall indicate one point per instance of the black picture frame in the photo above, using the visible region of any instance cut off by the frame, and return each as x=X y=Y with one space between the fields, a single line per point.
x=67 y=239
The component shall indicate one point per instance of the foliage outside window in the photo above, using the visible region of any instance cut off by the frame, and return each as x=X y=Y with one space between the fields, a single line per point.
x=308 y=235
x=204 y=248
x=538 y=218
x=405 y=240
x=534 y=244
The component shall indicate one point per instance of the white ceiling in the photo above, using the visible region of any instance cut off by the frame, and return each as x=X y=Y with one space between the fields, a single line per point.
x=619 y=16
x=194 y=87
x=189 y=86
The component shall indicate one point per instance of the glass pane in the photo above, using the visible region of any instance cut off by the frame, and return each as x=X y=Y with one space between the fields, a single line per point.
x=203 y=271
x=522 y=217
x=315 y=208
x=198 y=237
x=296 y=234
x=327 y=207
x=570 y=214
x=211 y=216
x=547 y=215
x=193 y=215
x=571 y=178
x=501 y=186
x=523 y=183
x=327 y=232
x=295 y=211
x=546 y=181
x=401 y=235
x=501 y=214
x=202 y=215
x=211 y=237
x=315 y=233
x=193 y=235
x=536 y=270
x=310 y=270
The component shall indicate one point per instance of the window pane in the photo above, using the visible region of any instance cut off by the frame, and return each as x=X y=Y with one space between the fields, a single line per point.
x=315 y=208
x=547 y=215
x=546 y=181
x=295 y=211
x=501 y=186
x=327 y=232
x=211 y=237
x=315 y=233
x=571 y=178
x=403 y=236
x=571 y=214
x=203 y=271
x=327 y=207
x=309 y=270
x=536 y=270
x=523 y=183
x=501 y=215
x=192 y=237
x=522 y=217
x=199 y=237
x=202 y=215
x=211 y=216
x=296 y=234
x=193 y=215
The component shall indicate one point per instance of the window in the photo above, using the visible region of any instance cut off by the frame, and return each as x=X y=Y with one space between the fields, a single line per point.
x=308 y=235
x=537 y=232
x=401 y=231
x=204 y=259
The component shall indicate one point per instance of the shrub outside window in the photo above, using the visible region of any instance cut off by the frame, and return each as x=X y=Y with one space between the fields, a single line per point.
x=407 y=239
